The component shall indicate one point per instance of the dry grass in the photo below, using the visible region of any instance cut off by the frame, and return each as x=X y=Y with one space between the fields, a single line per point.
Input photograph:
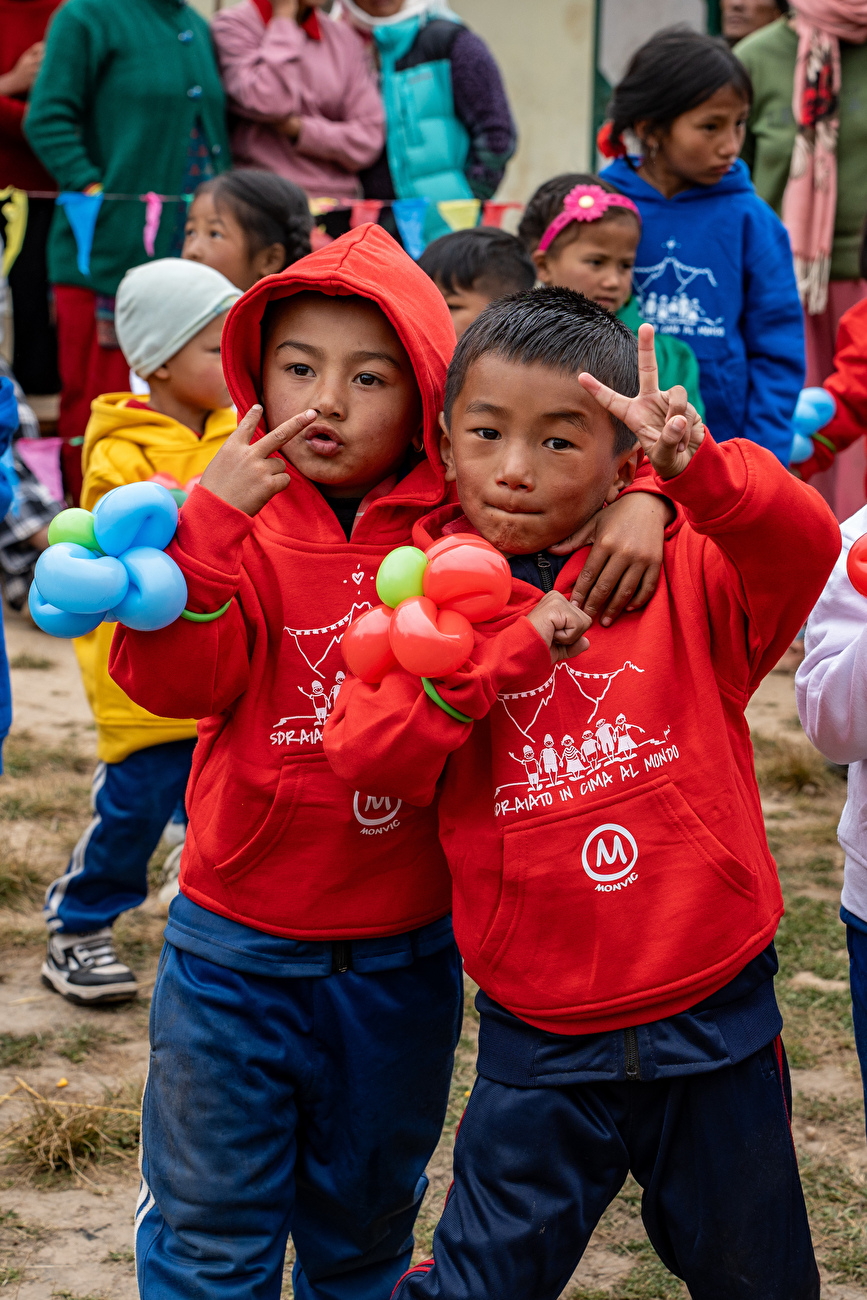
x=792 y=766
x=29 y=661
x=57 y=1140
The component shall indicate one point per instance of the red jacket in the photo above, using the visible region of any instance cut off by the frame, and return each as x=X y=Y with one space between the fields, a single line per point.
x=22 y=24
x=601 y=819
x=848 y=384
x=276 y=840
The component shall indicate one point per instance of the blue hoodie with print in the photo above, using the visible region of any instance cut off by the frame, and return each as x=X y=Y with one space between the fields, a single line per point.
x=714 y=268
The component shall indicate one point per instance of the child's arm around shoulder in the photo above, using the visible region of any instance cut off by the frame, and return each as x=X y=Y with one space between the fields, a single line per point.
x=829 y=684
x=193 y=669
x=390 y=738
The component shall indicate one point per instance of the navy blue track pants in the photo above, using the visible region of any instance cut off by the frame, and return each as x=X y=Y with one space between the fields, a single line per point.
x=536 y=1167
x=308 y=1105
x=108 y=871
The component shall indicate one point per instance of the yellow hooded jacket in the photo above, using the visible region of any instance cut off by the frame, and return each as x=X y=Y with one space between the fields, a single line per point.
x=128 y=444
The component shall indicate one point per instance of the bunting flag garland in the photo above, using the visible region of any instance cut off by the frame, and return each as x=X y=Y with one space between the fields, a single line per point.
x=153 y=212
x=82 y=211
x=494 y=212
x=409 y=215
x=460 y=214
x=14 y=209
x=364 y=210
x=318 y=207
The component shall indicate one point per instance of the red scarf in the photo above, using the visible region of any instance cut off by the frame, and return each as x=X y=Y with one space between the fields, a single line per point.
x=310 y=24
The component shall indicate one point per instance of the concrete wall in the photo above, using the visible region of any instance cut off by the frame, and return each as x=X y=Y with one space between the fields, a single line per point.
x=545 y=51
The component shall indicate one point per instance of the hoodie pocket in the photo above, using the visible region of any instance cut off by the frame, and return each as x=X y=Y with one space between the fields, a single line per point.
x=276 y=822
x=631 y=894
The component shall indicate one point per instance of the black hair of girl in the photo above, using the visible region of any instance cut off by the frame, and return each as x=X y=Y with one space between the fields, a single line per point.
x=675 y=71
x=268 y=208
x=547 y=203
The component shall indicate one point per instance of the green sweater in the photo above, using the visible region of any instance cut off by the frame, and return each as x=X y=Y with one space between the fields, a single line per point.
x=769 y=56
x=121 y=87
x=675 y=359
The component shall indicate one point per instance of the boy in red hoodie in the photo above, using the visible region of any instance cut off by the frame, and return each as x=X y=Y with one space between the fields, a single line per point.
x=309 y=995
x=618 y=916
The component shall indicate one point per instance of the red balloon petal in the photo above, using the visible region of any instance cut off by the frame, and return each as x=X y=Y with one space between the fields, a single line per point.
x=856 y=565
x=473 y=580
x=366 y=648
x=427 y=642
x=455 y=539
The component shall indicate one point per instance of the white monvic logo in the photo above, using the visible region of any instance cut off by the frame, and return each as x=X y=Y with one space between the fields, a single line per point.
x=374 y=804
x=613 y=844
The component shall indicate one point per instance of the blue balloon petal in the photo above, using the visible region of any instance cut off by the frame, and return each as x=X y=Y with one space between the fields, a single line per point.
x=802 y=449
x=157 y=590
x=814 y=408
x=137 y=514
x=78 y=580
x=58 y=622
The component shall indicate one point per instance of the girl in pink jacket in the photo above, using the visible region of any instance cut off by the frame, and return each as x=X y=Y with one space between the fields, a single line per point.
x=305 y=101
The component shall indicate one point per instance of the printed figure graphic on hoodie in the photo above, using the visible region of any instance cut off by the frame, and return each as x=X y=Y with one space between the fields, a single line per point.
x=829 y=688
x=309 y=960
x=714 y=266
x=169 y=317
x=621 y=927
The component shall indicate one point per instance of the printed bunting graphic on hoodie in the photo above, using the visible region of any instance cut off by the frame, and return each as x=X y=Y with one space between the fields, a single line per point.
x=673 y=296
x=579 y=751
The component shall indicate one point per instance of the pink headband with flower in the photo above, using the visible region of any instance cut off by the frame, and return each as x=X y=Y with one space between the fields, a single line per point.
x=585 y=203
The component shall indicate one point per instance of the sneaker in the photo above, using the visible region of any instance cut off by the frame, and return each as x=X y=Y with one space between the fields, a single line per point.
x=84 y=969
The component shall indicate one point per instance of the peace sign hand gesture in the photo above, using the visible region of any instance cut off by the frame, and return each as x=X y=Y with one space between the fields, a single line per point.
x=248 y=475
x=669 y=429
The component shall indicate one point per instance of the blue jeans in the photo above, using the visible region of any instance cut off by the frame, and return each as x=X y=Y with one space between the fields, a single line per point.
x=536 y=1167
x=856 y=942
x=278 y=1105
x=108 y=871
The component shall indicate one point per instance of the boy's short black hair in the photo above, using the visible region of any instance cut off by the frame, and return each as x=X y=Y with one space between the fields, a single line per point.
x=484 y=258
x=547 y=203
x=557 y=328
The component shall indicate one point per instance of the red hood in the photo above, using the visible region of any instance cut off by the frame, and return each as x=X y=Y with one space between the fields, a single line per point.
x=369 y=263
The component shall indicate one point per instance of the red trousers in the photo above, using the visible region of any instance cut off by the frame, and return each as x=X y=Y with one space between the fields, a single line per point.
x=86 y=371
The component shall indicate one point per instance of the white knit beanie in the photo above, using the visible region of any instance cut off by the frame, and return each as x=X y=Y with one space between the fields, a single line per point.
x=161 y=305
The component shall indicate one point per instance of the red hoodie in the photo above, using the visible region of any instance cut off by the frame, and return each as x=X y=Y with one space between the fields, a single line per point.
x=848 y=385
x=601 y=818
x=276 y=840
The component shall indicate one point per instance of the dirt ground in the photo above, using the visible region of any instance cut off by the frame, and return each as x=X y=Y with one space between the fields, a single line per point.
x=66 y=1234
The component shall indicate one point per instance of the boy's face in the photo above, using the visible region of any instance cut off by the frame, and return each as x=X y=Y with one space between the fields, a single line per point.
x=194 y=376
x=464 y=304
x=343 y=358
x=531 y=454
x=597 y=261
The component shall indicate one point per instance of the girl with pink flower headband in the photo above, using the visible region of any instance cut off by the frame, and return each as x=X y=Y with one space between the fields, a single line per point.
x=583 y=234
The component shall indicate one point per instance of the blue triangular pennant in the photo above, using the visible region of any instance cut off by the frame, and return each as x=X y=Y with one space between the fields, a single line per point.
x=409 y=215
x=81 y=212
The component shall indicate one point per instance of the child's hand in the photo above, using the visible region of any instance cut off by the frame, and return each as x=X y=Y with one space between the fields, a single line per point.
x=246 y=476
x=623 y=566
x=561 y=625
x=669 y=429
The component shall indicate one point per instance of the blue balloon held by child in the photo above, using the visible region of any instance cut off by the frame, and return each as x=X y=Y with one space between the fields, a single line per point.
x=814 y=409
x=111 y=565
